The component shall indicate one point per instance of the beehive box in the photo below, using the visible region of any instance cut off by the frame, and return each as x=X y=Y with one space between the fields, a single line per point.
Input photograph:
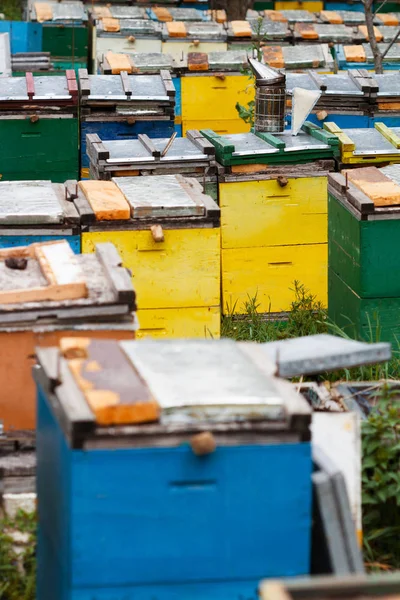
x=192 y=156
x=360 y=56
x=272 y=32
x=346 y=98
x=184 y=37
x=165 y=14
x=316 y=57
x=48 y=292
x=38 y=118
x=124 y=106
x=37 y=211
x=381 y=146
x=364 y=294
x=65 y=31
x=273 y=203
x=309 y=5
x=184 y=504
x=211 y=88
x=326 y=33
x=124 y=35
x=168 y=234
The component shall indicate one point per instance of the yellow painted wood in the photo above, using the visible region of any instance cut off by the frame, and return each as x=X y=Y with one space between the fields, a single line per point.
x=202 y=322
x=181 y=272
x=269 y=273
x=349 y=159
x=176 y=48
x=262 y=213
x=207 y=96
x=220 y=127
x=388 y=134
x=293 y=5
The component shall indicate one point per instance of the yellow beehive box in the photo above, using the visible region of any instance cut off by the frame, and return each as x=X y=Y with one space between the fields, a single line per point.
x=209 y=101
x=273 y=232
x=312 y=6
x=170 y=241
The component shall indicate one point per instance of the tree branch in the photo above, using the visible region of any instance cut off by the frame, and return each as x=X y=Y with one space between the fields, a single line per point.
x=379 y=8
x=391 y=44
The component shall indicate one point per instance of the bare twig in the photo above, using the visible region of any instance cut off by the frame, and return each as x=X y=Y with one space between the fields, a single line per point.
x=391 y=44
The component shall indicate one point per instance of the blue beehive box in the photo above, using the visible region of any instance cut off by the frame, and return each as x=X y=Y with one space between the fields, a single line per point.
x=133 y=511
x=123 y=106
x=37 y=211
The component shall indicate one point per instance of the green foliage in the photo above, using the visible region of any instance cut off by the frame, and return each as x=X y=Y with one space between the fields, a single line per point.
x=18 y=572
x=246 y=112
x=306 y=317
x=381 y=482
x=12 y=9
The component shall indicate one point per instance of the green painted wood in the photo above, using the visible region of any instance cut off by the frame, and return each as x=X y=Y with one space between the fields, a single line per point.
x=370 y=319
x=365 y=254
x=64 y=40
x=46 y=149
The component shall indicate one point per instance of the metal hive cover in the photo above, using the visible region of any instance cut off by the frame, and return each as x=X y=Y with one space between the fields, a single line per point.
x=69 y=11
x=29 y=203
x=109 y=87
x=334 y=33
x=203 y=373
x=392 y=56
x=270 y=30
x=248 y=143
x=300 y=142
x=300 y=80
x=154 y=61
x=139 y=26
x=182 y=149
x=351 y=17
x=389 y=84
x=392 y=171
x=126 y=12
x=298 y=16
x=230 y=60
x=185 y=14
x=46 y=88
x=339 y=84
x=158 y=196
x=303 y=57
x=318 y=353
x=370 y=142
x=211 y=30
x=388 y=32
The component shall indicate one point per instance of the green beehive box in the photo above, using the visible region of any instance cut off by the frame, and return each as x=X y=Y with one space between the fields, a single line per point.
x=363 y=250
x=65 y=29
x=39 y=120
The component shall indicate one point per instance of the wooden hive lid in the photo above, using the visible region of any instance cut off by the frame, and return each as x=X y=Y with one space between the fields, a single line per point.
x=377 y=186
x=176 y=29
x=355 y=53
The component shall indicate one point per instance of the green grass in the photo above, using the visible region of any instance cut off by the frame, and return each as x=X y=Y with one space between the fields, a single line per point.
x=12 y=9
x=18 y=573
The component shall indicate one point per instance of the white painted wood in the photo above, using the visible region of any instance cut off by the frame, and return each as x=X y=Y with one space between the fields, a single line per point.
x=5 y=55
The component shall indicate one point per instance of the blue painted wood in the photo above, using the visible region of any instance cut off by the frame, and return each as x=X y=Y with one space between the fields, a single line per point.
x=178 y=98
x=24 y=37
x=345 y=66
x=10 y=241
x=393 y=121
x=357 y=7
x=164 y=524
x=107 y=130
x=178 y=129
x=346 y=121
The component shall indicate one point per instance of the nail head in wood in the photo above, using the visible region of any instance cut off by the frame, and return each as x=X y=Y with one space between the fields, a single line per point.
x=203 y=443
x=157 y=233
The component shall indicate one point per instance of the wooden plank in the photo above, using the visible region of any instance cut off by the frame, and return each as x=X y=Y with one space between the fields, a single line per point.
x=72 y=84
x=59 y=266
x=331 y=16
x=176 y=29
x=113 y=389
x=197 y=61
x=66 y=200
x=148 y=144
x=84 y=209
x=126 y=86
x=116 y=274
x=379 y=188
x=273 y=56
x=364 y=31
x=271 y=139
x=111 y=25
x=95 y=148
x=162 y=13
x=117 y=63
x=106 y=200
x=44 y=11
x=168 y=84
x=202 y=144
x=317 y=80
x=84 y=84
x=355 y=54
x=241 y=29
x=30 y=85
x=387 y=133
x=306 y=31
